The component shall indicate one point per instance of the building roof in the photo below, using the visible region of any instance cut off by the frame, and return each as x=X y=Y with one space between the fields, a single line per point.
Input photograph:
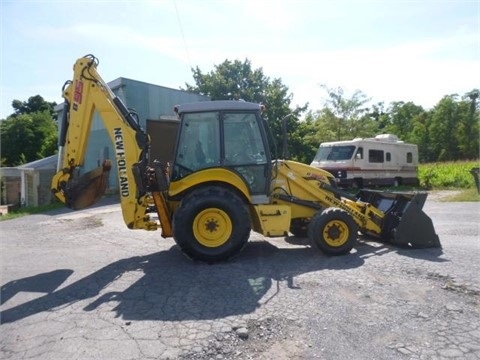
x=47 y=163
x=9 y=171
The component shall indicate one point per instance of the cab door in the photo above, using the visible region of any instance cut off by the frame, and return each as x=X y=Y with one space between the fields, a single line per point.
x=244 y=149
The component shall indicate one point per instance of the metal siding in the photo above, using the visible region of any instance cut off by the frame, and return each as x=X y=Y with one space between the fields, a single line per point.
x=149 y=101
x=99 y=140
x=30 y=200
x=153 y=101
x=44 y=187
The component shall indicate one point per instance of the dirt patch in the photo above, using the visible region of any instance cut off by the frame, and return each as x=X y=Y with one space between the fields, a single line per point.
x=442 y=195
x=271 y=338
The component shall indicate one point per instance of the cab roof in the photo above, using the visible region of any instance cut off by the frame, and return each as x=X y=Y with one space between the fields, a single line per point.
x=216 y=105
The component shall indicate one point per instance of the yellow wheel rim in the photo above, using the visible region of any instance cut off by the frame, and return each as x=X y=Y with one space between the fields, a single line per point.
x=212 y=227
x=336 y=233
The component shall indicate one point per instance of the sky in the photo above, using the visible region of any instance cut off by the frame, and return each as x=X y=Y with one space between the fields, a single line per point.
x=393 y=50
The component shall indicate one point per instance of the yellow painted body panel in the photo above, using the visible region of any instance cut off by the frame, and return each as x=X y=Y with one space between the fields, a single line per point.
x=305 y=182
x=209 y=176
x=272 y=220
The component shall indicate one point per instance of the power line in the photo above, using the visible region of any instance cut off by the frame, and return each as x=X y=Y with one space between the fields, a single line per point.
x=182 y=33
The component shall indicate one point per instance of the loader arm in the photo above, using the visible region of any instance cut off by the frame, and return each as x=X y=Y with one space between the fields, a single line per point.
x=84 y=96
x=395 y=217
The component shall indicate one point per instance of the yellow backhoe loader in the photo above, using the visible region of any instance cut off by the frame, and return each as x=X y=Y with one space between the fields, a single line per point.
x=222 y=182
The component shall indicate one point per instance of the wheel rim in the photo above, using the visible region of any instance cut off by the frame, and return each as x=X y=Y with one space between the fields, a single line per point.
x=336 y=233
x=212 y=227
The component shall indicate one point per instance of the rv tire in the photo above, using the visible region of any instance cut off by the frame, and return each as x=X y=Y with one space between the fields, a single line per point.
x=357 y=183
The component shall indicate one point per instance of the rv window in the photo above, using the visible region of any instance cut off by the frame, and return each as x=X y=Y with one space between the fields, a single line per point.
x=375 y=156
x=359 y=154
x=409 y=157
x=335 y=153
x=388 y=157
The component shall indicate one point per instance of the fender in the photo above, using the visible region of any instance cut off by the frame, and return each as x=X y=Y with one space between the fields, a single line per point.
x=207 y=176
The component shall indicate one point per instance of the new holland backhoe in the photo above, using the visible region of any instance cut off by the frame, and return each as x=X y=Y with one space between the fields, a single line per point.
x=222 y=182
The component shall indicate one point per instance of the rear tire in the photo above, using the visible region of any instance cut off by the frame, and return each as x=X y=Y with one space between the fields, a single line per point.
x=211 y=224
x=333 y=231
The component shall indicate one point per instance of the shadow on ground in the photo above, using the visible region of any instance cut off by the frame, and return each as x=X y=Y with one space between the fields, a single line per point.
x=174 y=288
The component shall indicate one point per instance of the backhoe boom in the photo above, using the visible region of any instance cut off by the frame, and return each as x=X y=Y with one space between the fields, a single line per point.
x=86 y=95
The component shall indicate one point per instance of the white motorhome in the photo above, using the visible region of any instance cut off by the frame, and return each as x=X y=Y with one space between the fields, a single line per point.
x=382 y=160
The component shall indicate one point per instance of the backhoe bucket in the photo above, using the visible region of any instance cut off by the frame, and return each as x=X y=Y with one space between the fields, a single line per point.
x=87 y=189
x=405 y=223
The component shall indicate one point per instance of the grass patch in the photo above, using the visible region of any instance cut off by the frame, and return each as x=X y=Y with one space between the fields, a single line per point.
x=30 y=210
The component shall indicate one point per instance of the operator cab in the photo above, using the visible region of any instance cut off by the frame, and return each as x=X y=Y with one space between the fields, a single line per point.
x=227 y=134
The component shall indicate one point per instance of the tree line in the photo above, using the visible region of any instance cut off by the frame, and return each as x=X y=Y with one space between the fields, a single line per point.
x=30 y=133
x=449 y=131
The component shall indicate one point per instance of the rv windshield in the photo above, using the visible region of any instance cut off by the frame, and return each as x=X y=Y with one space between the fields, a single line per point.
x=335 y=153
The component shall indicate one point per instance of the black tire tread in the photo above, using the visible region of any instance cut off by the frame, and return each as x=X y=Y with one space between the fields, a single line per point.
x=316 y=228
x=211 y=196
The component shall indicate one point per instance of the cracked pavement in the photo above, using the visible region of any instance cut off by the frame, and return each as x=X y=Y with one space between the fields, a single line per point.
x=80 y=285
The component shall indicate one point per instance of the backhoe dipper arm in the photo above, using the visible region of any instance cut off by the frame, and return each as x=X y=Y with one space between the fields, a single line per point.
x=84 y=96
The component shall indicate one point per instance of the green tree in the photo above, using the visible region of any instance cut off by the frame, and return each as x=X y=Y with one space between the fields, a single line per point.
x=347 y=116
x=341 y=118
x=454 y=128
x=420 y=135
x=468 y=131
x=305 y=140
x=236 y=80
x=27 y=137
x=400 y=119
x=443 y=129
x=231 y=81
x=380 y=116
x=32 y=105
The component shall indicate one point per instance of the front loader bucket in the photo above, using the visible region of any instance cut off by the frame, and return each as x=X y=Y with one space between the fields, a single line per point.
x=87 y=189
x=415 y=228
x=405 y=223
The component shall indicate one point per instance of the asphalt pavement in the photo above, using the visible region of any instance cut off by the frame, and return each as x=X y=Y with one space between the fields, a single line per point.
x=80 y=285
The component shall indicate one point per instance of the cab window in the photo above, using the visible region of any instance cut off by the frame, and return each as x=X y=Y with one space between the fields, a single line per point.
x=244 y=150
x=199 y=143
x=243 y=141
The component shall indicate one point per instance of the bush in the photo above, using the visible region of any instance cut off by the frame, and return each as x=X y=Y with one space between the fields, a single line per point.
x=448 y=175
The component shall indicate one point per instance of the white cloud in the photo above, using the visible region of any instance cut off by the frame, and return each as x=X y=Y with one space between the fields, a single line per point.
x=304 y=43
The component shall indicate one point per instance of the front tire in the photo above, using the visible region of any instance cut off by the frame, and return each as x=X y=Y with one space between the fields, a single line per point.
x=211 y=224
x=333 y=231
